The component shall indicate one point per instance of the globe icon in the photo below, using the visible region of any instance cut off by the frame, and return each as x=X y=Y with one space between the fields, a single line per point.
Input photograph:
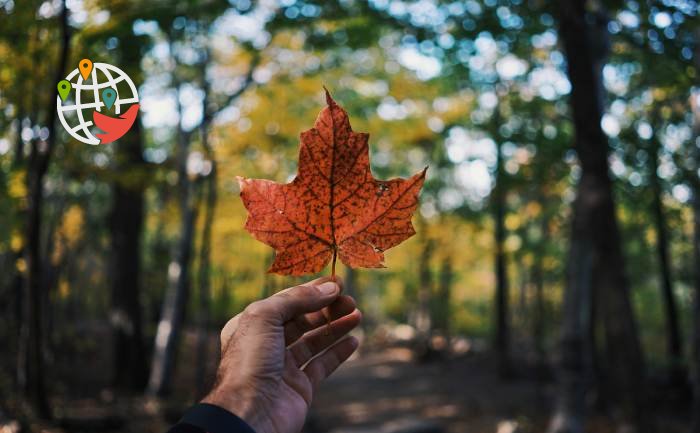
x=76 y=110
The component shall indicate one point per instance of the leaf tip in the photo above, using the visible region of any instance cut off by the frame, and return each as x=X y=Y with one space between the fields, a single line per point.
x=329 y=99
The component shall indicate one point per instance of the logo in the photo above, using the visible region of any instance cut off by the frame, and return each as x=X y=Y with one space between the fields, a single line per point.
x=97 y=98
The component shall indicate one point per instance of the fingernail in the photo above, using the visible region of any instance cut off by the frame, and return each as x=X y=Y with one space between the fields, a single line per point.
x=328 y=288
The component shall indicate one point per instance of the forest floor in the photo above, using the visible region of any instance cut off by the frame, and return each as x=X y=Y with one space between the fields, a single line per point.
x=383 y=390
x=389 y=391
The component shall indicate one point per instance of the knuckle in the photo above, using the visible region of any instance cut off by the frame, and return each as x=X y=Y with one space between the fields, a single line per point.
x=256 y=309
x=285 y=296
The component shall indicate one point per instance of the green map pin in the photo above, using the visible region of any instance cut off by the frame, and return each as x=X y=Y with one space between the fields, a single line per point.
x=64 y=87
x=108 y=96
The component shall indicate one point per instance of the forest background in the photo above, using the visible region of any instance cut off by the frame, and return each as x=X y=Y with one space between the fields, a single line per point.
x=557 y=252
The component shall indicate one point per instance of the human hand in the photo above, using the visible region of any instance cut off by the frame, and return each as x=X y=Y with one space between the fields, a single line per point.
x=269 y=367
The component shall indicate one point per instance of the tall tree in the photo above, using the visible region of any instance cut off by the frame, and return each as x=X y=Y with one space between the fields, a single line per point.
x=177 y=291
x=695 y=184
x=696 y=310
x=444 y=297
x=210 y=199
x=501 y=328
x=595 y=259
x=423 y=317
x=126 y=227
x=31 y=334
x=674 y=338
x=126 y=223
x=538 y=282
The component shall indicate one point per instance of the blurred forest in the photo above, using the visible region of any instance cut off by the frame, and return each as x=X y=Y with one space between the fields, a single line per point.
x=554 y=281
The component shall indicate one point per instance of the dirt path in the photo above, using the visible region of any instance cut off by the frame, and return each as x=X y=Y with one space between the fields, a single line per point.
x=387 y=391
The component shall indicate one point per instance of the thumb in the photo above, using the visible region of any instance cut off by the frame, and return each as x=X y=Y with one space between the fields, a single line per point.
x=295 y=301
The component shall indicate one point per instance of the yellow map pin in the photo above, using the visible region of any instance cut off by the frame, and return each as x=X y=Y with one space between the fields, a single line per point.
x=85 y=67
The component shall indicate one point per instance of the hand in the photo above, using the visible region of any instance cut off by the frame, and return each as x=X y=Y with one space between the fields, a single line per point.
x=269 y=367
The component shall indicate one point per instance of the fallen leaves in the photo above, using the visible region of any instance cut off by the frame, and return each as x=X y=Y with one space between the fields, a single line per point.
x=334 y=206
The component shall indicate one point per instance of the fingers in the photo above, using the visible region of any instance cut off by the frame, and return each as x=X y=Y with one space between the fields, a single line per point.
x=298 y=326
x=295 y=301
x=267 y=309
x=322 y=366
x=318 y=340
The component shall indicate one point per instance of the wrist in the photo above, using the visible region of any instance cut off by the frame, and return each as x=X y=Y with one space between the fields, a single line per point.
x=239 y=402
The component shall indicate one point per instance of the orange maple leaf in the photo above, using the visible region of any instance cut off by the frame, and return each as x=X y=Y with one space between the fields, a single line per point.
x=334 y=206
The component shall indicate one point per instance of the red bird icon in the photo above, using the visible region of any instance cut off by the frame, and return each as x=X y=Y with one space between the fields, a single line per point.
x=114 y=127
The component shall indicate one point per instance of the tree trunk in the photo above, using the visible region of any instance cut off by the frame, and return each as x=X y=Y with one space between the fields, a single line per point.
x=696 y=307
x=126 y=230
x=177 y=292
x=673 y=333
x=444 y=296
x=501 y=328
x=537 y=278
x=596 y=256
x=695 y=183
x=575 y=363
x=31 y=344
x=18 y=154
x=204 y=283
x=126 y=222
x=205 y=251
x=423 y=318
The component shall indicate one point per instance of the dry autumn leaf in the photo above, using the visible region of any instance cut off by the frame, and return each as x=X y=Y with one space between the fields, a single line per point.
x=334 y=206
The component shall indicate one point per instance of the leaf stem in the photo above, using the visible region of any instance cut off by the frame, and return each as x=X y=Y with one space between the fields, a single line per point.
x=335 y=255
x=329 y=328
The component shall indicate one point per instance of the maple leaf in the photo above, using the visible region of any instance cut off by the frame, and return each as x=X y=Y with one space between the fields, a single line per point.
x=334 y=206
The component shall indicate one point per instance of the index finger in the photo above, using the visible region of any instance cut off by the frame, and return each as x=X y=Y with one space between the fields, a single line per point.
x=287 y=304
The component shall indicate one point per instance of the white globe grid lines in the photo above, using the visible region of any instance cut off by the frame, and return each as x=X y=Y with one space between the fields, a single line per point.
x=96 y=87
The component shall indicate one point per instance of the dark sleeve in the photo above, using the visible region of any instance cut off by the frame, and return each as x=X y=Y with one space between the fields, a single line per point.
x=208 y=418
